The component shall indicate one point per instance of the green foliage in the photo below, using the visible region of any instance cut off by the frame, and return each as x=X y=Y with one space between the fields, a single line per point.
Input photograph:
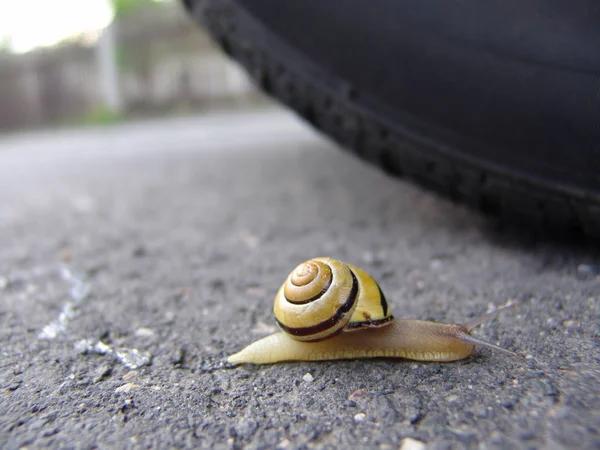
x=122 y=7
x=99 y=116
x=103 y=116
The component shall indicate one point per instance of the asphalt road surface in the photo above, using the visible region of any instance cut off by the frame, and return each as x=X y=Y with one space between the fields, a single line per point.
x=135 y=258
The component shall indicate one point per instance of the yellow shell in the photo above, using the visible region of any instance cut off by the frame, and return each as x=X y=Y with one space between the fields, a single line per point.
x=323 y=296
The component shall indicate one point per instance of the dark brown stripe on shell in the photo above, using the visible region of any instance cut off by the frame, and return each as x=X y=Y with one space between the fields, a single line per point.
x=315 y=297
x=370 y=323
x=329 y=323
x=384 y=304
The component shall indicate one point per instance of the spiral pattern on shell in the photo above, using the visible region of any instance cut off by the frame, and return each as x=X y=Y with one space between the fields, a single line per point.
x=323 y=297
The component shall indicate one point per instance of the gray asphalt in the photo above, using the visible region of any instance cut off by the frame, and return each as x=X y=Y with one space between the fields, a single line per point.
x=135 y=258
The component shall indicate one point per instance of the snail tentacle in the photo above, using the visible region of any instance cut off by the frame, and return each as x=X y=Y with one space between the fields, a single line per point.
x=473 y=323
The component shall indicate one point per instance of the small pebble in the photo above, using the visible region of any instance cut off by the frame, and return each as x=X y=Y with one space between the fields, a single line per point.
x=357 y=394
x=144 y=332
x=308 y=377
x=83 y=346
x=177 y=357
x=131 y=374
x=132 y=358
x=127 y=387
x=412 y=444
x=283 y=444
x=359 y=418
x=586 y=272
x=101 y=348
x=102 y=373
x=13 y=386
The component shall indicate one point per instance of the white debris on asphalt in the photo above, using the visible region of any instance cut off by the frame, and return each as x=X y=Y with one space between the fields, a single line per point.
x=359 y=418
x=78 y=293
x=412 y=444
x=132 y=358
x=144 y=332
x=308 y=377
x=127 y=387
x=283 y=444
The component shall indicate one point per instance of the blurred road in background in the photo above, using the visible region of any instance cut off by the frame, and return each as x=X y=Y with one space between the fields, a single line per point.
x=135 y=257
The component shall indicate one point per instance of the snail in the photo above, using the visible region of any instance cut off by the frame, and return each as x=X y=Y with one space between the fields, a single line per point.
x=328 y=310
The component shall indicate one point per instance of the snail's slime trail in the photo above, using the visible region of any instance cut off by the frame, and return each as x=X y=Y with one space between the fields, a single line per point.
x=79 y=291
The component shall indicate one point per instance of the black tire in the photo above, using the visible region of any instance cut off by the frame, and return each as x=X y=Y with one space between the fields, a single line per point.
x=510 y=127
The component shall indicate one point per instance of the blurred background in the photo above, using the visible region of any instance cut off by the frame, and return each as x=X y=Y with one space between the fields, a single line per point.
x=84 y=62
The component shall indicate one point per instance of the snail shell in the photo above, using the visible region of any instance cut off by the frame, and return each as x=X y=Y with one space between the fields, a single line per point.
x=323 y=299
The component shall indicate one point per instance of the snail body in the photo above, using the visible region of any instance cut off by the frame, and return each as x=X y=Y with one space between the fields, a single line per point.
x=330 y=310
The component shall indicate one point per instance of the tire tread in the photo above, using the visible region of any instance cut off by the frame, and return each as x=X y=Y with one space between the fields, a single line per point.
x=335 y=111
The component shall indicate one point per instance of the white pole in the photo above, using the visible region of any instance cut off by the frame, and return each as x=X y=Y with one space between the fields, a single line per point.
x=108 y=70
